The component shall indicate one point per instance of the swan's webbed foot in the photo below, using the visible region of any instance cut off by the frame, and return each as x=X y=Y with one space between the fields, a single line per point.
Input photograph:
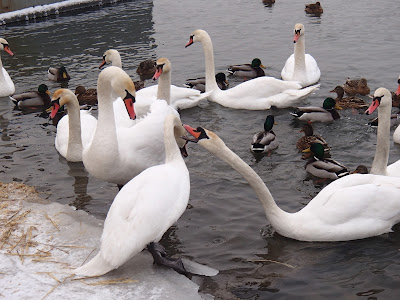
x=160 y=258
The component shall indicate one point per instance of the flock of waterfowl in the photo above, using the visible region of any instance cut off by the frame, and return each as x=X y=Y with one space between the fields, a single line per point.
x=138 y=142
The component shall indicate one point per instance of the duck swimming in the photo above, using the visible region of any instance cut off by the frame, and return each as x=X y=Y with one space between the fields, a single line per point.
x=200 y=83
x=41 y=97
x=86 y=96
x=253 y=70
x=58 y=74
x=265 y=141
x=356 y=86
x=309 y=137
x=314 y=8
x=326 y=113
x=348 y=102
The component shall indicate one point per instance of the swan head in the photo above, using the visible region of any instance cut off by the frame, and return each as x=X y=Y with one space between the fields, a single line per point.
x=4 y=46
x=197 y=36
x=205 y=138
x=382 y=98
x=59 y=99
x=298 y=31
x=118 y=81
x=109 y=56
x=163 y=65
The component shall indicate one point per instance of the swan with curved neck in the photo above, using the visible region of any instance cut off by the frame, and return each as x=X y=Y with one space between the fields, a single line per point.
x=75 y=130
x=6 y=84
x=300 y=66
x=145 y=207
x=256 y=94
x=353 y=207
x=117 y=154
x=383 y=102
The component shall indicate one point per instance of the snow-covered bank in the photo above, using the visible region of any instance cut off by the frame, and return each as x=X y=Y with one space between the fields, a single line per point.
x=50 y=9
x=41 y=242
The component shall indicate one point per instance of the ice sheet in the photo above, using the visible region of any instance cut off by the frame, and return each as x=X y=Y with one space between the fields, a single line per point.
x=40 y=243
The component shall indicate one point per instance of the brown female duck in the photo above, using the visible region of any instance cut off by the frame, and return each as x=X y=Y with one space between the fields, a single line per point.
x=356 y=86
x=348 y=102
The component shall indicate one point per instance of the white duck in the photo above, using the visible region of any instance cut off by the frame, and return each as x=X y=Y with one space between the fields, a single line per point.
x=75 y=130
x=353 y=207
x=180 y=97
x=117 y=154
x=383 y=101
x=255 y=94
x=299 y=66
x=6 y=84
x=145 y=207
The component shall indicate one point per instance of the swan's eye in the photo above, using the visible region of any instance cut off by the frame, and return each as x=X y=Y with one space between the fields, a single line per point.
x=160 y=66
x=104 y=57
x=129 y=96
x=378 y=98
x=297 y=31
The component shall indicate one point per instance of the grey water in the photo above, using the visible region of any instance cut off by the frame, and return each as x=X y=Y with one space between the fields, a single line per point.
x=224 y=226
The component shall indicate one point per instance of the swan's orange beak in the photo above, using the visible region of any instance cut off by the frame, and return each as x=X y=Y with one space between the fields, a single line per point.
x=296 y=37
x=193 y=132
x=398 y=89
x=103 y=62
x=129 y=100
x=158 y=72
x=374 y=105
x=8 y=50
x=190 y=41
x=55 y=106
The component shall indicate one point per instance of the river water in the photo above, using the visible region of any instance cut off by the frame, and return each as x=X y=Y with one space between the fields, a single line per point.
x=224 y=226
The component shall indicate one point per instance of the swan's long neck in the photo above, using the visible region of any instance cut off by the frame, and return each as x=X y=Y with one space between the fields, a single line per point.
x=1 y=70
x=75 y=138
x=172 y=152
x=278 y=218
x=164 y=87
x=105 y=137
x=299 y=59
x=116 y=61
x=379 y=165
x=211 y=82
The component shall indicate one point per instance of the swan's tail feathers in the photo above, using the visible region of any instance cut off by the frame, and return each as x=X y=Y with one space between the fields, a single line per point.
x=96 y=267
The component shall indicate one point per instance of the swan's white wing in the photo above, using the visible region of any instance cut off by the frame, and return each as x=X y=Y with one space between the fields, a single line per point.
x=6 y=84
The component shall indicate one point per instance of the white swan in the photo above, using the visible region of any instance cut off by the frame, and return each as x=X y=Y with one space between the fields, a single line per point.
x=145 y=207
x=255 y=94
x=180 y=97
x=396 y=135
x=163 y=74
x=75 y=130
x=299 y=66
x=383 y=101
x=7 y=87
x=353 y=207
x=117 y=154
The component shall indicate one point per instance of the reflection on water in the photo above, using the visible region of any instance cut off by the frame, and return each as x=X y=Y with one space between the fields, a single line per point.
x=226 y=227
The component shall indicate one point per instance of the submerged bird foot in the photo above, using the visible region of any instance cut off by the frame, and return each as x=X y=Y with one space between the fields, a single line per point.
x=160 y=258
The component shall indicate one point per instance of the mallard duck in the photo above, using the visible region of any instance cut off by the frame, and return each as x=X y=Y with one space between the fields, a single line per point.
x=268 y=2
x=348 y=102
x=6 y=84
x=41 y=97
x=86 y=96
x=58 y=74
x=146 y=69
x=361 y=169
x=253 y=70
x=314 y=8
x=200 y=83
x=309 y=137
x=356 y=86
x=396 y=96
x=300 y=66
x=265 y=141
x=321 y=166
x=326 y=113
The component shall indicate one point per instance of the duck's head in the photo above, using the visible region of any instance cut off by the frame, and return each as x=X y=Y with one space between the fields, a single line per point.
x=59 y=99
x=330 y=103
x=307 y=129
x=339 y=90
x=108 y=57
x=43 y=89
x=4 y=46
x=79 y=90
x=382 y=98
x=163 y=65
x=361 y=169
x=221 y=77
x=256 y=63
x=317 y=149
x=269 y=123
x=197 y=36
x=298 y=31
